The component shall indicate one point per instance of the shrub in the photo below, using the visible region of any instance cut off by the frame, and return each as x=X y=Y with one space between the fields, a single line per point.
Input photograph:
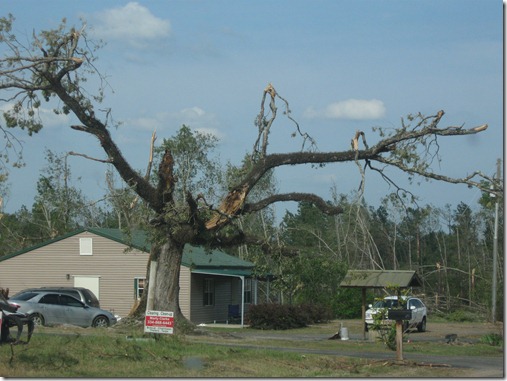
x=284 y=316
x=493 y=339
x=315 y=313
x=347 y=303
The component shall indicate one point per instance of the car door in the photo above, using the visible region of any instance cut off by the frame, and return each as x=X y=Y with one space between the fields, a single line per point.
x=74 y=311
x=49 y=307
x=415 y=306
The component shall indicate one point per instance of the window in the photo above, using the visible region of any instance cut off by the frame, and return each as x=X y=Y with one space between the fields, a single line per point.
x=85 y=246
x=49 y=299
x=139 y=285
x=209 y=292
x=26 y=296
x=248 y=290
x=416 y=303
x=69 y=301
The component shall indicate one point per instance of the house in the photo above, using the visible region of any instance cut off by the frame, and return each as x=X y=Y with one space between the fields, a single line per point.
x=113 y=265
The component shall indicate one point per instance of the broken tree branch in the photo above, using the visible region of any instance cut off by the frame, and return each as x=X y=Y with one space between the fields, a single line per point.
x=298 y=197
x=106 y=161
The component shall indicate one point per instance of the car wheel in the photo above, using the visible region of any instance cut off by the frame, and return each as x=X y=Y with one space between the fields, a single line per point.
x=421 y=327
x=37 y=319
x=100 y=321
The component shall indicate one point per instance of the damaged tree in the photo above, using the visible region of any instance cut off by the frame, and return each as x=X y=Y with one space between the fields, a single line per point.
x=54 y=66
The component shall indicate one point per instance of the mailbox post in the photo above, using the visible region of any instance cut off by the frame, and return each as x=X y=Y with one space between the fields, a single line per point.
x=399 y=316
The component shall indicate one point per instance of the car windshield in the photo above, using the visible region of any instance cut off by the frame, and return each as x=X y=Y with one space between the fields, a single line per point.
x=387 y=303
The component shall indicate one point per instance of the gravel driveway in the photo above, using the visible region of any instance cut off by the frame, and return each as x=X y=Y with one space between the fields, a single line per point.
x=480 y=366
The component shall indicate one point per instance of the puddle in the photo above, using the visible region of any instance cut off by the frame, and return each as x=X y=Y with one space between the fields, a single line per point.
x=194 y=363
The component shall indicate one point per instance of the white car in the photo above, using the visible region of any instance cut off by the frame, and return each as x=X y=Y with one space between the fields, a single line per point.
x=419 y=312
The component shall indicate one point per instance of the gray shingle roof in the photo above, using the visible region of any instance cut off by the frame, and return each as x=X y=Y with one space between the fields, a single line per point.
x=381 y=279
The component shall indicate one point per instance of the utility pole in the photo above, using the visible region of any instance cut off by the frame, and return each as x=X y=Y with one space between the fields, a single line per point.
x=495 y=248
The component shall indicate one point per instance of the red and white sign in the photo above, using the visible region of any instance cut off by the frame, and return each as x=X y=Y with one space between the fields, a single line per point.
x=159 y=322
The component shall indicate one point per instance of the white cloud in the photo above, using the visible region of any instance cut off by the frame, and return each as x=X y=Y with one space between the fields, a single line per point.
x=192 y=113
x=132 y=23
x=194 y=117
x=359 y=109
x=210 y=131
x=145 y=123
x=199 y=120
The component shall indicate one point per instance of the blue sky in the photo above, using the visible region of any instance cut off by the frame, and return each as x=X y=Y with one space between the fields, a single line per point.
x=342 y=65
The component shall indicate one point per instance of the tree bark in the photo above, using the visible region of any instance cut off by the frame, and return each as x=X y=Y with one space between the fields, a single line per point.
x=168 y=254
x=166 y=297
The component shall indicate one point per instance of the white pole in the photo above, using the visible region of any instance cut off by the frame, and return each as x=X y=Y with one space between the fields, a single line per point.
x=242 y=299
x=495 y=248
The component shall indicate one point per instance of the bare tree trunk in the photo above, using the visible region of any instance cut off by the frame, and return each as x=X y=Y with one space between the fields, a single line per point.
x=337 y=235
x=166 y=297
x=470 y=279
x=459 y=247
x=419 y=256
x=446 y=275
x=168 y=256
x=394 y=248
x=410 y=254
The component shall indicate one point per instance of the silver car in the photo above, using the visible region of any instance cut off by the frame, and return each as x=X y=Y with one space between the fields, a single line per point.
x=48 y=308
x=416 y=305
x=80 y=293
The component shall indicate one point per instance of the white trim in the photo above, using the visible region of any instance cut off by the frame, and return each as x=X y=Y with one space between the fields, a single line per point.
x=242 y=299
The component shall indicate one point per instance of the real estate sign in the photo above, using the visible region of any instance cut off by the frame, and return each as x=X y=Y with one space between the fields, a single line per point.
x=159 y=322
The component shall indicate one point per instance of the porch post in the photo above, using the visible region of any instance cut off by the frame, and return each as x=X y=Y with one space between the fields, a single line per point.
x=242 y=299
x=255 y=283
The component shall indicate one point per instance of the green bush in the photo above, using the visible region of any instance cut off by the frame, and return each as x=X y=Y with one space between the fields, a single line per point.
x=347 y=303
x=284 y=316
x=493 y=339
x=315 y=313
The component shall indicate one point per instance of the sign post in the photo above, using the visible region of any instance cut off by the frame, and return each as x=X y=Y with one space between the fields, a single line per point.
x=159 y=322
